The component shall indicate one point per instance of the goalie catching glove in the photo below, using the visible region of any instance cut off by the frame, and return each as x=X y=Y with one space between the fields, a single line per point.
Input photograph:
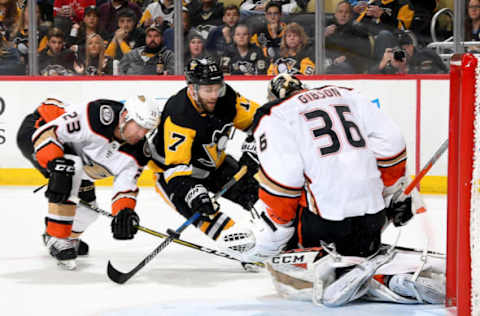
x=124 y=224
x=61 y=172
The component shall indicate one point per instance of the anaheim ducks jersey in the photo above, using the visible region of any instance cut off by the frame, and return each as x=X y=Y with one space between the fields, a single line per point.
x=301 y=64
x=191 y=143
x=89 y=132
x=319 y=149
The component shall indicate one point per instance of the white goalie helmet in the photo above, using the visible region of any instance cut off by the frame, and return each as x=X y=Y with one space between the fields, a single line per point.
x=145 y=111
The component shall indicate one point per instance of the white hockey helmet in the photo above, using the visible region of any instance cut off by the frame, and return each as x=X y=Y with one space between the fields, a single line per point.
x=143 y=110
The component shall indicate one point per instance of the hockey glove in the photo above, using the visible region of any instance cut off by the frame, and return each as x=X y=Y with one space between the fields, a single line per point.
x=244 y=192
x=198 y=200
x=400 y=212
x=124 y=224
x=249 y=156
x=60 y=181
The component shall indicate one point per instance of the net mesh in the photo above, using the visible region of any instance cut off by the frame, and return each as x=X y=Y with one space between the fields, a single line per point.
x=475 y=203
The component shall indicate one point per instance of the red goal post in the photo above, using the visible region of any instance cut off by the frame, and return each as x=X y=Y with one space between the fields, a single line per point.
x=463 y=198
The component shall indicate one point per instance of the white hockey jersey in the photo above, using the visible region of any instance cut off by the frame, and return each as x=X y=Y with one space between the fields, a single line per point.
x=320 y=148
x=87 y=132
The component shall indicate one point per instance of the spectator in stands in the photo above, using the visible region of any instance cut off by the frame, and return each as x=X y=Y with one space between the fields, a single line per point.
x=255 y=7
x=347 y=46
x=472 y=21
x=168 y=34
x=9 y=15
x=55 y=60
x=195 y=47
x=221 y=36
x=109 y=14
x=89 y=26
x=243 y=57
x=407 y=59
x=205 y=16
x=10 y=63
x=92 y=60
x=20 y=38
x=151 y=59
x=126 y=37
x=159 y=13
x=378 y=15
x=71 y=9
x=295 y=55
x=46 y=9
x=269 y=36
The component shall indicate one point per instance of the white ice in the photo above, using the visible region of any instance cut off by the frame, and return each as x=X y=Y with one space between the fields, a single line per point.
x=178 y=281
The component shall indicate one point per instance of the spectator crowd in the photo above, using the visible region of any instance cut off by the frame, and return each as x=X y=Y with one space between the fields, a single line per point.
x=136 y=37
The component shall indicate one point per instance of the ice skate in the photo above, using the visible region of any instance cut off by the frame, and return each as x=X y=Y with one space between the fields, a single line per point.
x=81 y=247
x=64 y=251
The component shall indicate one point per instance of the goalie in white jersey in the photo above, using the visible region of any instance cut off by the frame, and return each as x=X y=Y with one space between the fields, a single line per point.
x=100 y=139
x=332 y=165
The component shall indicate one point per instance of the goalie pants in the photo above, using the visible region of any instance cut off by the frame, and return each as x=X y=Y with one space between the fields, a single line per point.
x=353 y=236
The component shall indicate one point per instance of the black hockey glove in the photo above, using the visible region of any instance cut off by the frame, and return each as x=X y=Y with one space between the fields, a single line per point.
x=124 y=224
x=60 y=181
x=400 y=212
x=244 y=192
x=198 y=200
x=249 y=156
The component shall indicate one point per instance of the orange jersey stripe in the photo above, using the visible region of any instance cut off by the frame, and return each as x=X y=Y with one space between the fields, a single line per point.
x=390 y=175
x=122 y=203
x=280 y=209
x=49 y=112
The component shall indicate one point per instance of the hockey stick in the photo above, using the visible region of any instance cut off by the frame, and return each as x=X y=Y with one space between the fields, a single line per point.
x=162 y=235
x=423 y=172
x=121 y=277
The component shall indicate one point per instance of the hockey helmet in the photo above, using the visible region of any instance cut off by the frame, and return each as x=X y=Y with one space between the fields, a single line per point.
x=283 y=85
x=203 y=71
x=143 y=110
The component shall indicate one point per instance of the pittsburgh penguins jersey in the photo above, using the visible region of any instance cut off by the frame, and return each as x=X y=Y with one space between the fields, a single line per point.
x=264 y=39
x=301 y=64
x=190 y=143
x=323 y=148
x=89 y=132
x=253 y=63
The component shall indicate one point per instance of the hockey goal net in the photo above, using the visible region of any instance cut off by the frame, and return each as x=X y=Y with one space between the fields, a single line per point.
x=463 y=200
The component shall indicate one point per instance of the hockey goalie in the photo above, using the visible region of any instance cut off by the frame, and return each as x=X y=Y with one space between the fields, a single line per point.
x=332 y=170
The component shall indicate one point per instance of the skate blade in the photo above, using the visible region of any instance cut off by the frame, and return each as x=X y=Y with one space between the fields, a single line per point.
x=67 y=264
x=250 y=267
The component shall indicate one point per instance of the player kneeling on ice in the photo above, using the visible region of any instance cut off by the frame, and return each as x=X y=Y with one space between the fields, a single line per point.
x=188 y=147
x=332 y=167
x=69 y=146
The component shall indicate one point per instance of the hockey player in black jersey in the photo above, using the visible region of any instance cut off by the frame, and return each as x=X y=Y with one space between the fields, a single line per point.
x=189 y=159
x=101 y=139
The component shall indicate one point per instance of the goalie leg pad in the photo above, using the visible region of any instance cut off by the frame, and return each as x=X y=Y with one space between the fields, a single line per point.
x=423 y=289
x=354 y=283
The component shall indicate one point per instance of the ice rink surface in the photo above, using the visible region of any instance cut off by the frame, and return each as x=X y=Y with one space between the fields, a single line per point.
x=178 y=281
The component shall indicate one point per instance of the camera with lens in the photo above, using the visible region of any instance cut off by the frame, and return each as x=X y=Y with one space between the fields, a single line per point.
x=399 y=54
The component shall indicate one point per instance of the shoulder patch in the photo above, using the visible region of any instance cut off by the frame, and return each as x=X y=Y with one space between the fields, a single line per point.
x=107 y=116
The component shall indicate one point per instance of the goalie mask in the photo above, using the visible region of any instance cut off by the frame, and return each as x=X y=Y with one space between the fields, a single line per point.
x=283 y=85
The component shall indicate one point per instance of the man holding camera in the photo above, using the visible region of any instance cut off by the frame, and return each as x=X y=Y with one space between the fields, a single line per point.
x=408 y=59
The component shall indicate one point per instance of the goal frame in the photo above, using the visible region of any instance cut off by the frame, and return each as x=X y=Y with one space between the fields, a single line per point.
x=463 y=78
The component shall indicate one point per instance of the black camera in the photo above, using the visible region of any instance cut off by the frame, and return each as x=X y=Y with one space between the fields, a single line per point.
x=399 y=54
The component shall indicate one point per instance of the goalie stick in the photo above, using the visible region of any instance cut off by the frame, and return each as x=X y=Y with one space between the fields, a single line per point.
x=162 y=235
x=121 y=277
x=423 y=172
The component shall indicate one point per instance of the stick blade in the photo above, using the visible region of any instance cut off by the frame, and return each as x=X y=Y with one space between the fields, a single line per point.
x=115 y=275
